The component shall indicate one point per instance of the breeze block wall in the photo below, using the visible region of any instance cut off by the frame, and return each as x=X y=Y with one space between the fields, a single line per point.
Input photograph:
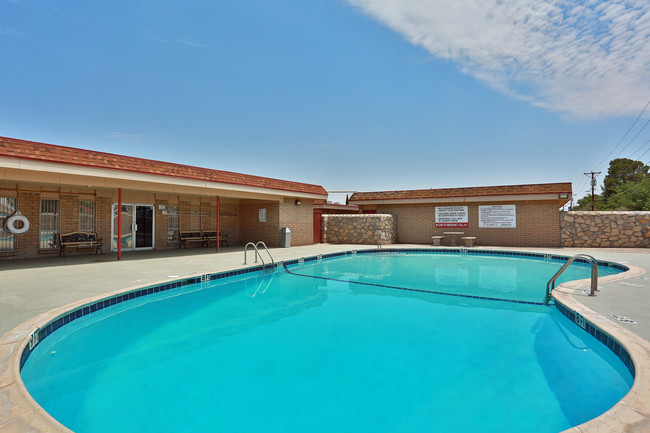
x=620 y=229
x=375 y=229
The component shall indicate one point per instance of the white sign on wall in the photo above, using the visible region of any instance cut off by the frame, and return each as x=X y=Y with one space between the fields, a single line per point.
x=451 y=216
x=497 y=216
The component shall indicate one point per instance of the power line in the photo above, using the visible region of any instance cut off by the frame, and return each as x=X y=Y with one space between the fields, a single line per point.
x=621 y=140
x=632 y=140
x=604 y=161
x=640 y=147
x=647 y=150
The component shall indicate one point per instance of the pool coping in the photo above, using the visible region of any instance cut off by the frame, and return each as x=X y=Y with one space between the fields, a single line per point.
x=20 y=413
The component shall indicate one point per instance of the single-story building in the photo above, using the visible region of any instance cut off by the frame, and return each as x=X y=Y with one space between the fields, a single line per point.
x=135 y=203
x=510 y=215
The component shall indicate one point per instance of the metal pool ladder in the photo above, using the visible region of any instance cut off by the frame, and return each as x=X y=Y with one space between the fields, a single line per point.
x=594 y=275
x=257 y=253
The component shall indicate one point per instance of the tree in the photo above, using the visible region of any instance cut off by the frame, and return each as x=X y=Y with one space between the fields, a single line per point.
x=626 y=187
x=585 y=203
x=623 y=170
x=631 y=196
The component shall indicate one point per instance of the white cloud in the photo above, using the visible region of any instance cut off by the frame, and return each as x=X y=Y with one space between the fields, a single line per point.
x=589 y=58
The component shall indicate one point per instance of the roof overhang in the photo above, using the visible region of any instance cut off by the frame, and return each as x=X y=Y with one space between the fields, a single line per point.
x=336 y=206
x=561 y=198
x=33 y=171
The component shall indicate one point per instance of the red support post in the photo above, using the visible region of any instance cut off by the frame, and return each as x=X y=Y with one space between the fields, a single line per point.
x=118 y=229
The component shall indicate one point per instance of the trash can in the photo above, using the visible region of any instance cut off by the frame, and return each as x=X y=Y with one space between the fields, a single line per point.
x=285 y=237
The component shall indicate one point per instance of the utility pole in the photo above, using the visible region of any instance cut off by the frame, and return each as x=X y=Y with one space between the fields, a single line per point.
x=593 y=175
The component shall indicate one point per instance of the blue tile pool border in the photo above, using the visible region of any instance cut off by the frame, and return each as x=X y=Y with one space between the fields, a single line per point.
x=600 y=335
x=43 y=332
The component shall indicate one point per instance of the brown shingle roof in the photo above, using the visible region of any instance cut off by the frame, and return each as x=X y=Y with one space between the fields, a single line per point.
x=479 y=191
x=14 y=148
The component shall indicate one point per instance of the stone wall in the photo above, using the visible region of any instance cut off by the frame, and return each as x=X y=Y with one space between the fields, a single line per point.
x=377 y=229
x=605 y=229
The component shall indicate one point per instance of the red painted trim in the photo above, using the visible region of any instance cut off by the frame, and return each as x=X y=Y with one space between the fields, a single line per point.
x=218 y=225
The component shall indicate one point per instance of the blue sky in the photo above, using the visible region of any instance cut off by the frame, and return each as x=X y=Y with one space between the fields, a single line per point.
x=350 y=94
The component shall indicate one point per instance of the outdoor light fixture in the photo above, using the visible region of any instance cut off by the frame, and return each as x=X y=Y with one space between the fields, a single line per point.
x=298 y=202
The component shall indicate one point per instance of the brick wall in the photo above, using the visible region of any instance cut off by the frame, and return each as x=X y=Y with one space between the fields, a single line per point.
x=237 y=220
x=537 y=224
x=29 y=205
x=103 y=215
x=299 y=219
x=605 y=229
x=229 y=222
x=252 y=230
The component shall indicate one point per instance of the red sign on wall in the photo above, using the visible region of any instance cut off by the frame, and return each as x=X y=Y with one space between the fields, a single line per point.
x=451 y=217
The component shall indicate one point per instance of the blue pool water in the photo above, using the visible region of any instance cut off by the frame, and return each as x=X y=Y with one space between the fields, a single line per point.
x=291 y=353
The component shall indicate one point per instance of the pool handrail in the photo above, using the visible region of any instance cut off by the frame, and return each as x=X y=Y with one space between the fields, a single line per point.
x=257 y=253
x=594 y=275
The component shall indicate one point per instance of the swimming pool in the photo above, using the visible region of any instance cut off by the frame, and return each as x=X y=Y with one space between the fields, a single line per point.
x=331 y=346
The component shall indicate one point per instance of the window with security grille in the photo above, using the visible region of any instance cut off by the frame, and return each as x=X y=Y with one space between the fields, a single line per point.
x=7 y=239
x=173 y=224
x=86 y=216
x=49 y=224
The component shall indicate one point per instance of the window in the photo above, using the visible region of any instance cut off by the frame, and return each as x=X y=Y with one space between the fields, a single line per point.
x=172 y=224
x=49 y=225
x=86 y=216
x=7 y=240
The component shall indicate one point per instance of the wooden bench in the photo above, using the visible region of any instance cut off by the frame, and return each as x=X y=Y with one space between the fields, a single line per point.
x=212 y=237
x=469 y=240
x=79 y=240
x=190 y=236
x=436 y=240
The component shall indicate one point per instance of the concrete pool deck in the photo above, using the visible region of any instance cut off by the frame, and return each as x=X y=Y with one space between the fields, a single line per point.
x=30 y=289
